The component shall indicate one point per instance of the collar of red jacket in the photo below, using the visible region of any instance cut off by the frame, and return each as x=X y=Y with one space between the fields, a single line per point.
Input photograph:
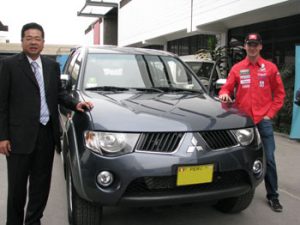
x=260 y=61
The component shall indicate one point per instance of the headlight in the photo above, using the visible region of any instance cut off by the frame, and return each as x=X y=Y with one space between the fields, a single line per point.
x=244 y=136
x=110 y=143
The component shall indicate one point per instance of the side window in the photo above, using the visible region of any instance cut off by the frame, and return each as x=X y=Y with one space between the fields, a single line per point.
x=71 y=63
x=157 y=71
x=177 y=72
x=169 y=72
x=73 y=68
x=75 y=71
x=179 y=76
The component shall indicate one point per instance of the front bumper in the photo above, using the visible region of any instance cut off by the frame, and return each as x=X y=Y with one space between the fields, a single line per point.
x=143 y=178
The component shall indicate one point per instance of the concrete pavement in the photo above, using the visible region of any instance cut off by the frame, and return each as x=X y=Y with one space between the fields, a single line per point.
x=287 y=156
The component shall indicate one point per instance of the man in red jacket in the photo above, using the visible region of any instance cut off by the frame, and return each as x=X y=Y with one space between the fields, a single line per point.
x=260 y=94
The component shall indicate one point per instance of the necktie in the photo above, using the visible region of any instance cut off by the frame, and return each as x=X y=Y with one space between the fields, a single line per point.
x=44 y=112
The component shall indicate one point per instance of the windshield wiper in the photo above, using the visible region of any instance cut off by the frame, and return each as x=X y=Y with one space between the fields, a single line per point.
x=148 y=89
x=152 y=89
x=174 y=89
x=107 y=88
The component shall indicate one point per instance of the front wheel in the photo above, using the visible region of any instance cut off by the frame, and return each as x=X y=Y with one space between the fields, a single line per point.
x=80 y=211
x=235 y=204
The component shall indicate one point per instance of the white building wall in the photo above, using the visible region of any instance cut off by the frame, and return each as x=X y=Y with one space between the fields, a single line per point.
x=3 y=37
x=157 y=21
x=207 y=11
x=101 y=33
x=141 y=20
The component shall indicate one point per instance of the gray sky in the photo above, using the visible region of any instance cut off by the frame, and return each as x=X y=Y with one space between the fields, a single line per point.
x=58 y=18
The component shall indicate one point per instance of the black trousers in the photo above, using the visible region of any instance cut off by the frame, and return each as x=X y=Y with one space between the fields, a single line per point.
x=32 y=171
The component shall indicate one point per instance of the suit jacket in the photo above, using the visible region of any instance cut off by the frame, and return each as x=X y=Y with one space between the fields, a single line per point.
x=20 y=101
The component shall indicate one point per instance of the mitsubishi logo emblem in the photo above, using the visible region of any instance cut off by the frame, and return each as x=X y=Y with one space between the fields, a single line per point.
x=194 y=146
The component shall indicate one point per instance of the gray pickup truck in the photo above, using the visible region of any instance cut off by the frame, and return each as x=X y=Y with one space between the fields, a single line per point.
x=154 y=136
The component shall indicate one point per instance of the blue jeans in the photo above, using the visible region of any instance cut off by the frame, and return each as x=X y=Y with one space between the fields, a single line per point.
x=265 y=129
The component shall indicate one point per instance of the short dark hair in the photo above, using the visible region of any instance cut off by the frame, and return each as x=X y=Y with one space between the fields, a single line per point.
x=32 y=26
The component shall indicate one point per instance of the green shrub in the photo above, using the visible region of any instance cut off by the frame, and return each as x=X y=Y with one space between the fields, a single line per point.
x=283 y=120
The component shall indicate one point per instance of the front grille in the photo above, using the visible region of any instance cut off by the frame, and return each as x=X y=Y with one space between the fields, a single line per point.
x=219 y=139
x=167 y=184
x=159 y=142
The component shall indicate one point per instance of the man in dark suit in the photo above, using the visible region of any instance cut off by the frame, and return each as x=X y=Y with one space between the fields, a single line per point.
x=30 y=91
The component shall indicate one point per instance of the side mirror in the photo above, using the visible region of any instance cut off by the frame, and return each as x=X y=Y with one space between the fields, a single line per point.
x=65 y=80
x=220 y=83
x=216 y=86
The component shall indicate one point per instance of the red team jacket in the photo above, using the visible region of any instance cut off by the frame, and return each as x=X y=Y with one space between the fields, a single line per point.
x=259 y=88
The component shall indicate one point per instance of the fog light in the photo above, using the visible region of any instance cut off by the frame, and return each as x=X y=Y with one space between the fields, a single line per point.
x=257 y=168
x=105 y=178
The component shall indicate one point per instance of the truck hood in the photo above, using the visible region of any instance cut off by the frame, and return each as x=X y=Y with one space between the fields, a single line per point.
x=161 y=112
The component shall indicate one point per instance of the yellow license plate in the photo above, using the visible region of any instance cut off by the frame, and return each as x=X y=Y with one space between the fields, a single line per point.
x=187 y=175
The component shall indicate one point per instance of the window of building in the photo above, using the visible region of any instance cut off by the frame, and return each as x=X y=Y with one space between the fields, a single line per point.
x=190 y=45
x=279 y=38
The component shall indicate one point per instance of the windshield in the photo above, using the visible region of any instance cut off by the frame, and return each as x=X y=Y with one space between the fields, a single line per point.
x=137 y=71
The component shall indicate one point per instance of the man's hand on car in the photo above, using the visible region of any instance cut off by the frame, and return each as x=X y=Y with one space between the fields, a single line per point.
x=225 y=98
x=84 y=106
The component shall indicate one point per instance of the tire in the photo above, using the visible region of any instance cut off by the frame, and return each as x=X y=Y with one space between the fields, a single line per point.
x=235 y=204
x=80 y=211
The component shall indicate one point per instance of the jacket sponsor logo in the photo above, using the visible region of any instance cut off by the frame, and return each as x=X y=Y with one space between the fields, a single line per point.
x=245 y=72
x=262 y=68
x=245 y=81
x=261 y=83
x=245 y=76
x=261 y=75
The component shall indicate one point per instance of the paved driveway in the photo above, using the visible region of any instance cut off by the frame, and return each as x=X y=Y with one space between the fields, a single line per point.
x=288 y=162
